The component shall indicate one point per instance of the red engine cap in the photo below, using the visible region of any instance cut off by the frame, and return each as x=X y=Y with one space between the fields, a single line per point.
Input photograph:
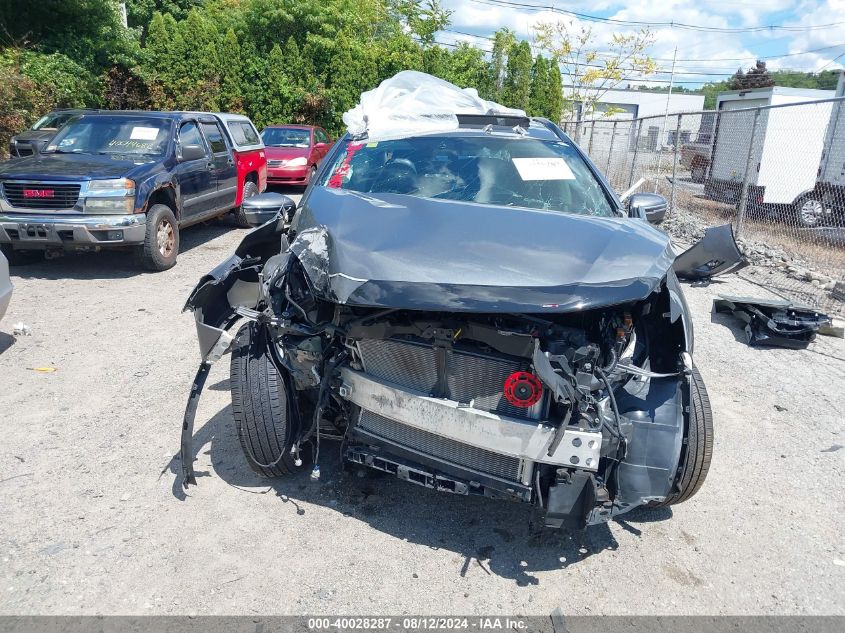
x=523 y=389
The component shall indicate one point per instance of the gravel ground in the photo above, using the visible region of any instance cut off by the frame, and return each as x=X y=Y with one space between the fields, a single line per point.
x=94 y=520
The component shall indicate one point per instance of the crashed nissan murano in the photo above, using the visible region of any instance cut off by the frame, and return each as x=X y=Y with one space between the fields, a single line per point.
x=474 y=311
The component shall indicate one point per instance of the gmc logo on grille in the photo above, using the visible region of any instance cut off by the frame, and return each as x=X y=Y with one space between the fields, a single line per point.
x=39 y=193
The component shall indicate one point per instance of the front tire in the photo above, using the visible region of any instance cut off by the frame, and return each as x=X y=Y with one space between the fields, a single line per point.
x=161 y=242
x=699 y=445
x=260 y=406
x=250 y=189
x=809 y=212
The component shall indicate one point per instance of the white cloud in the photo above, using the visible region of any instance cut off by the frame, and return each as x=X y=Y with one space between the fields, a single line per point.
x=717 y=52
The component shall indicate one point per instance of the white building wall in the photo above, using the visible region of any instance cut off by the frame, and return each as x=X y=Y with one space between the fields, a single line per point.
x=637 y=103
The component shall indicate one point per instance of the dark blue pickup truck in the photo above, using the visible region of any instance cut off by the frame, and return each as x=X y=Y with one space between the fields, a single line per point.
x=118 y=179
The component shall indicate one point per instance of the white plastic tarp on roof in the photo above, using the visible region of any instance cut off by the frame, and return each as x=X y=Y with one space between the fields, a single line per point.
x=411 y=103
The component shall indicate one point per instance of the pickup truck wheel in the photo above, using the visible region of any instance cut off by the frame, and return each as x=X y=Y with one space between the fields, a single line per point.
x=699 y=445
x=20 y=258
x=250 y=189
x=260 y=406
x=809 y=211
x=161 y=242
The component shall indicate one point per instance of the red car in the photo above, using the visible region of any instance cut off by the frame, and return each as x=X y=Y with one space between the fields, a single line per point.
x=294 y=152
x=248 y=153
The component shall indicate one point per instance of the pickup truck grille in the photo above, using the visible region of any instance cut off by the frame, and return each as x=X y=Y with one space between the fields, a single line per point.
x=34 y=195
x=470 y=377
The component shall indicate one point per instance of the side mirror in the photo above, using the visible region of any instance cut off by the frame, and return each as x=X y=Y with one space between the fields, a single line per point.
x=192 y=152
x=266 y=206
x=650 y=207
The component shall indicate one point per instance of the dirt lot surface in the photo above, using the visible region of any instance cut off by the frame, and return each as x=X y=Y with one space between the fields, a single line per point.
x=93 y=518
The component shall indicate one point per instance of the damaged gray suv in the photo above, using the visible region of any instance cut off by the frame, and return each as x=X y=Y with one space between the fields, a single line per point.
x=474 y=311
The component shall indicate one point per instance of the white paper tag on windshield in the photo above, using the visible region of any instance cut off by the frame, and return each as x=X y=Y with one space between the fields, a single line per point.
x=551 y=168
x=144 y=133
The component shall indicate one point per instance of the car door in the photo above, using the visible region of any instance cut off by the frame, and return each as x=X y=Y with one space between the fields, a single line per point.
x=223 y=165
x=322 y=143
x=196 y=180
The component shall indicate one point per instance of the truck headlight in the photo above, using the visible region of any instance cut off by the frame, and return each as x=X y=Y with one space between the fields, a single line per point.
x=124 y=205
x=115 y=186
x=114 y=195
x=297 y=162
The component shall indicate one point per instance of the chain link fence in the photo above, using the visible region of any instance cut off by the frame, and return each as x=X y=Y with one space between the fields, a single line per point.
x=776 y=173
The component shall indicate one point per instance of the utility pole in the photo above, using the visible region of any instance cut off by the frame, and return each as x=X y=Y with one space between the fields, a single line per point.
x=665 y=117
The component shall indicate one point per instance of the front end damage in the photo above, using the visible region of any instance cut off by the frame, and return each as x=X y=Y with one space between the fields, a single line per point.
x=582 y=413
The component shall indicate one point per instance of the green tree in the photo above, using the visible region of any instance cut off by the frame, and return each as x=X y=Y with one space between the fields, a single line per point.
x=554 y=100
x=231 y=74
x=517 y=90
x=274 y=104
x=436 y=61
x=360 y=73
x=503 y=41
x=424 y=17
x=139 y=13
x=589 y=71
x=538 y=100
x=467 y=67
x=756 y=77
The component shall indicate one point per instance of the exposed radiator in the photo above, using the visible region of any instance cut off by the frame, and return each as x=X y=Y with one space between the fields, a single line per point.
x=470 y=377
x=438 y=447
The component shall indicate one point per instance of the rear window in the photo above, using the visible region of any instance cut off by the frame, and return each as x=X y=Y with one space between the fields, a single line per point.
x=215 y=137
x=243 y=133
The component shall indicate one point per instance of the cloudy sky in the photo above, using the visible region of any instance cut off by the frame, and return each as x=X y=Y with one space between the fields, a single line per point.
x=808 y=25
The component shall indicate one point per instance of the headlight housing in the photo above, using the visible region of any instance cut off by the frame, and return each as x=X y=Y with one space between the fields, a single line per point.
x=297 y=162
x=115 y=186
x=124 y=205
x=113 y=195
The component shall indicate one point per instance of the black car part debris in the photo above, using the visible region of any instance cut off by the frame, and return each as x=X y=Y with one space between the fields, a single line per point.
x=774 y=322
x=714 y=254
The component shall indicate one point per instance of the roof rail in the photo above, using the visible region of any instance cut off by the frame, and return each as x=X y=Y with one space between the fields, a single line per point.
x=496 y=120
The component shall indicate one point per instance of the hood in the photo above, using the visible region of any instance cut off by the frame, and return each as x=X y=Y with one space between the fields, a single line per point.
x=35 y=135
x=286 y=153
x=399 y=251
x=71 y=167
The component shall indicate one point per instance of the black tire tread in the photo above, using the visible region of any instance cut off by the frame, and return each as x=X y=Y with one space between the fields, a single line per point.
x=259 y=405
x=148 y=254
x=699 y=448
x=250 y=189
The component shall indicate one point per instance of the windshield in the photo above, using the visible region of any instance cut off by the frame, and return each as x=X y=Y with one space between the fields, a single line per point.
x=112 y=135
x=286 y=137
x=505 y=171
x=52 y=121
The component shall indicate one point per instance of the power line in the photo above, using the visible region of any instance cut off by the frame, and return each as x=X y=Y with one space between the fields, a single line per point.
x=674 y=25
x=659 y=81
x=684 y=73
x=715 y=59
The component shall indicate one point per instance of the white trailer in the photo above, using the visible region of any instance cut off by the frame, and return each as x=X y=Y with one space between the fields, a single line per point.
x=830 y=190
x=786 y=150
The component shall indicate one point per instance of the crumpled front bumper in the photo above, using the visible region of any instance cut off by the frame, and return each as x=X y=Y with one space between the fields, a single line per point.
x=527 y=440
